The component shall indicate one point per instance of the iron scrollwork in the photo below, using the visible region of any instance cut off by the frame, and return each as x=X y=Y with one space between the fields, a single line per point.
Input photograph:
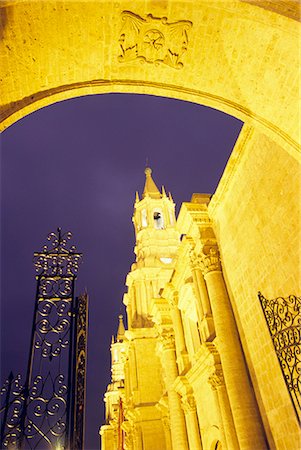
x=46 y=411
x=283 y=316
x=57 y=259
x=12 y=406
x=80 y=370
x=39 y=413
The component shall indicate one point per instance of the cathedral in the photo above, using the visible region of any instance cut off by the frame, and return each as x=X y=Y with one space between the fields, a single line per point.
x=180 y=375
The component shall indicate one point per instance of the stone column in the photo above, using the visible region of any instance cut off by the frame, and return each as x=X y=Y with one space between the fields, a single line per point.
x=177 y=421
x=246 y=417
x=192 y=424
x=228 y=432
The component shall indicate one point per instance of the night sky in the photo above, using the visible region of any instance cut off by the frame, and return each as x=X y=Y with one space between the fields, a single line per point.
x=77 y=165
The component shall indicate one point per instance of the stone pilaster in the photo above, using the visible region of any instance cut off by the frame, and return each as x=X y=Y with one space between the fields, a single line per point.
x=137 y=438
x=246 y=418
x=200 y=285
x=181 y=349
x=192 y=424
x=204 y=312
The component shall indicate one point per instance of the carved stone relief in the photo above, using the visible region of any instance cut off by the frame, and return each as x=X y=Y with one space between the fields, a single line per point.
x=153 y=40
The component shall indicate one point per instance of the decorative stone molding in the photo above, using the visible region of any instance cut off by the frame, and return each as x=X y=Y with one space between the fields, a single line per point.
x=153 y=40
x=171 y=294
x=161 y=314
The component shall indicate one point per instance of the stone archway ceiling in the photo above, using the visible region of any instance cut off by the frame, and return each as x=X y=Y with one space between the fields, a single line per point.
x=197 y=51
x=288 y=8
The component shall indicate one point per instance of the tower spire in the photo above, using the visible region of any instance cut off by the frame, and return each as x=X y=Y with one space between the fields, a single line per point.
x=150 y=187
x=121 y=329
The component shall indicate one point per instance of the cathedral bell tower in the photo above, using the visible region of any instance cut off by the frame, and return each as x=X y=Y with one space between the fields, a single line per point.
x=113 y=434
x=156 y=247
x=136 y=418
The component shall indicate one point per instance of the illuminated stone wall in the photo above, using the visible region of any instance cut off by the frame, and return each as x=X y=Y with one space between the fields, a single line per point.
x=256 y=215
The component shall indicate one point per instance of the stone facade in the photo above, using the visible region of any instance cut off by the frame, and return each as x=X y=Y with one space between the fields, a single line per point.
x=197 y=367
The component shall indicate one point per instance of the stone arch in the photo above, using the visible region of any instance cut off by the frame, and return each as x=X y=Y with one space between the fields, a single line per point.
x=238 y=56
x=212 y=438
x=230 y=55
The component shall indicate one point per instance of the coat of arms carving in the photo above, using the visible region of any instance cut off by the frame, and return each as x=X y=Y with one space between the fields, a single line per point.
x=153 y=40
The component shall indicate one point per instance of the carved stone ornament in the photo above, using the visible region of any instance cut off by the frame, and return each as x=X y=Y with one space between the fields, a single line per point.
x=188 y=403
x=210 y=260
x=216 y=379
x=173 y=300
x=167 y=340
x=153 y=40
x=166 y=423
x=195 y=261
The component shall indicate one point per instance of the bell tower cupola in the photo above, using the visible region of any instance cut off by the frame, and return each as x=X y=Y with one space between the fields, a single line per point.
x=157 y=242
x=155 y=210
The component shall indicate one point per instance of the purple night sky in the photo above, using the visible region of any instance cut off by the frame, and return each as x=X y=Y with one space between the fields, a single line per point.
x=77 y=165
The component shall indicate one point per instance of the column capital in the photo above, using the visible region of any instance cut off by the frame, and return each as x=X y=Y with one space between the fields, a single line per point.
x=210 y=260
x=166 y=422
x=174 y=299
x=188 y=403
x=167 y=340
x=171 y=294
x=195 y=260
x=216 y=379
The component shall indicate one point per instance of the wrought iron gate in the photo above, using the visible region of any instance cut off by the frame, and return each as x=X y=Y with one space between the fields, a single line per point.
x=283 y=317
x=46 y=411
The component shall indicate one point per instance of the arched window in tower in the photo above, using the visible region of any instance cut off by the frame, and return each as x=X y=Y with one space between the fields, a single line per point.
x=158 y=219
x=144 y=218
